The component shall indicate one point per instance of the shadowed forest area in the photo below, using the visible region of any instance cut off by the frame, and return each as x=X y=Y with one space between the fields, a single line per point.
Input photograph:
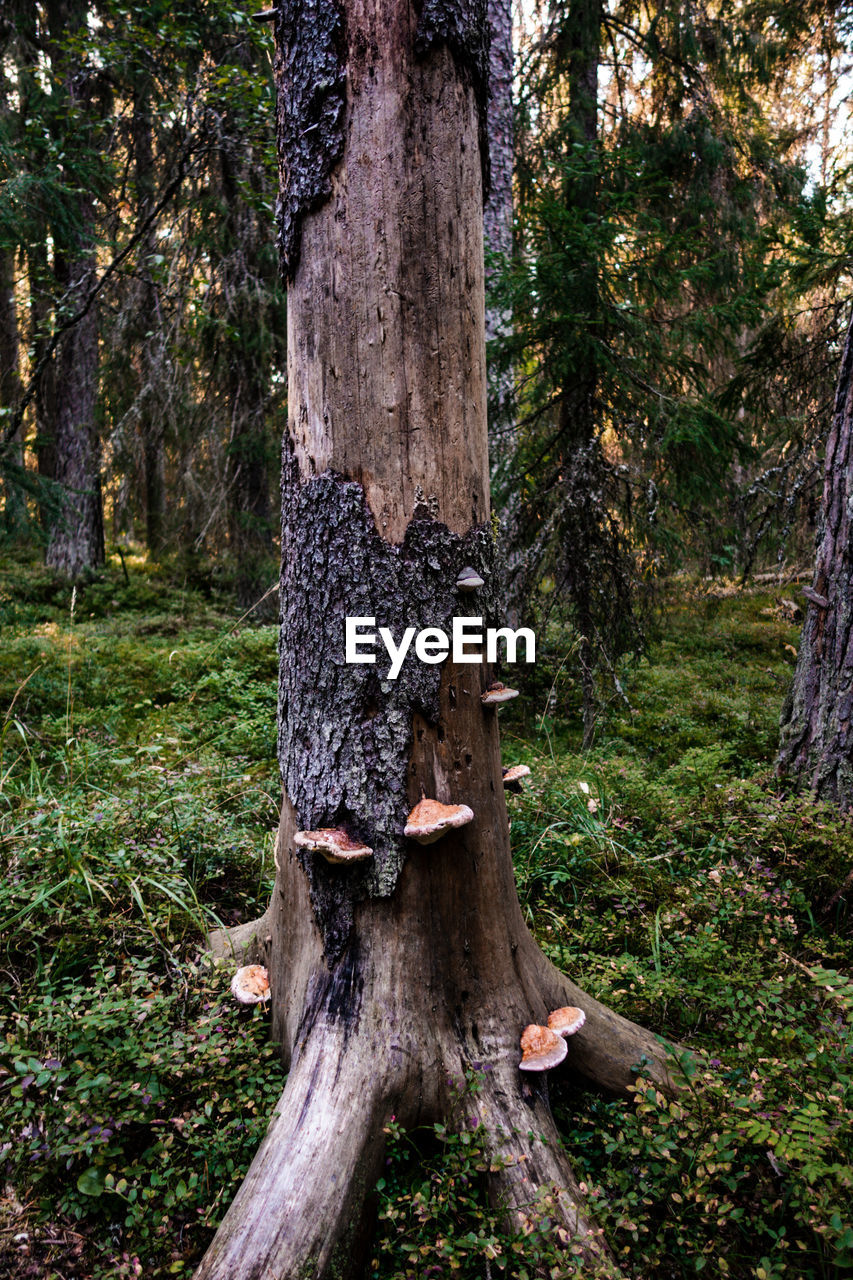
x=624 y=267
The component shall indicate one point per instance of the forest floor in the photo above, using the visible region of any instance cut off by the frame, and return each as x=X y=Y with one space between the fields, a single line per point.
x=664 y=869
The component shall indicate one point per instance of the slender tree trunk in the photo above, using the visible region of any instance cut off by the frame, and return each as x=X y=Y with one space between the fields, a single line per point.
x=248 y=362
x=41 y=311
x=14 y=510
x=148 y=301
x=497 y=227
x=76 y=540
x=390 y=978
x=580 y=38
x=816 y=743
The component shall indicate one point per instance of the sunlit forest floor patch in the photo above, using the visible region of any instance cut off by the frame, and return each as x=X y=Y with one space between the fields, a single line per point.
x=138 y=796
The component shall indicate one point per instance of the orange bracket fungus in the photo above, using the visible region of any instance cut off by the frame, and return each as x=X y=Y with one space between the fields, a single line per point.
x=541 y=1049
x=251 y=984
x=430 y=820
x=566 y=1021
x=334 y=844
x=512 y=777
x=497 y=693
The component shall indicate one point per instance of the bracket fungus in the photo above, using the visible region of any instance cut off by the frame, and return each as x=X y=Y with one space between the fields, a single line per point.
x=541 y=1049
x=566 y=1021
x=497 y=693
x=430 y=820
x=469 y=579
x=513 y=776
x=334 y=844
x=251 y=984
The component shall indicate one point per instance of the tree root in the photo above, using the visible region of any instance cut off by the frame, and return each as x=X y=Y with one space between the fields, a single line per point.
x=608 y=1048
x=298 y=1212
x=530 y=1176
x=243 y=943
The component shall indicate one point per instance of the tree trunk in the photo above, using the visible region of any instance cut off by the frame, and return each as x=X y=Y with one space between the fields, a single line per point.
x=497 y=227
x=245 y=291
x=583 y=512
x=14 y=508
x=390 y=978
x=816 y=743
x=76 y=540
x=41 y=308
x=148 y=340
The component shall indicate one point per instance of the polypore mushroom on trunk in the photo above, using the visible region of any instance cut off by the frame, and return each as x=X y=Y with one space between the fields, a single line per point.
x=566 y=1021
x=497 y=693
x=251 y=984
x=541 y=1049
x=469 y=579
x=430 y=820
x=334 y=844
x=513 y=776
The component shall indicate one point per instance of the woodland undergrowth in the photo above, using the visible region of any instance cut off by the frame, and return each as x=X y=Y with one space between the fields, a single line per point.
x=663 y=868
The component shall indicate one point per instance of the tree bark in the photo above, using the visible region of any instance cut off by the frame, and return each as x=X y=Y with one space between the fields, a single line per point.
x=816 y=741
x=497 y=227
x=151 y=420
x=245 y=293
x=14 y=507
x=391 y=978
x=76 y=539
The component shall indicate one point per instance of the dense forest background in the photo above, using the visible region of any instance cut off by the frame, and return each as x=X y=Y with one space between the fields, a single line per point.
x=668 y=295
x=669 y=292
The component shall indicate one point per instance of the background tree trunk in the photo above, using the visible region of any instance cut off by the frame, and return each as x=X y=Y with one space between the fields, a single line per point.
x=148 y=340
x=14 y=507
x=497 y=227
x=582 y=516
x=76 y=540
x=247 y=380
x=816 y=743
x=390 y=979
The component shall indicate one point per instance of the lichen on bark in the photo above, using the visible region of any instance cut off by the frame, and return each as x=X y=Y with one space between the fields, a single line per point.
x=345 y=729
x=310 y=70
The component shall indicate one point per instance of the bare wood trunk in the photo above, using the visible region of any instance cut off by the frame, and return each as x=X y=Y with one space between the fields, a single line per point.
x=391 y=978
x=816 y=743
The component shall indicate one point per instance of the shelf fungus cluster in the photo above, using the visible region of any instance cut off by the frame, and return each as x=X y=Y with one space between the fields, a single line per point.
x=334 y=844
x=251 y=984
x=496 y=694
x=545 y=1047
x=430 y=820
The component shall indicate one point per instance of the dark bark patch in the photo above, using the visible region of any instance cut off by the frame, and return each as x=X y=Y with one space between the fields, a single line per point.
x=464 y=27
x=310 y=73
x=345 y=729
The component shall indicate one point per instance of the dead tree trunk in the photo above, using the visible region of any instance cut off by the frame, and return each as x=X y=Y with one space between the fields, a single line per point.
x=391 y=977
x=816 y=743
